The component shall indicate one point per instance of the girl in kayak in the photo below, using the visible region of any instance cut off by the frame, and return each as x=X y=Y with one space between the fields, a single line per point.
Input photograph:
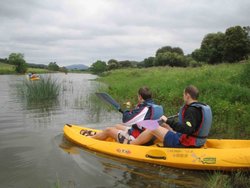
x=145 y=110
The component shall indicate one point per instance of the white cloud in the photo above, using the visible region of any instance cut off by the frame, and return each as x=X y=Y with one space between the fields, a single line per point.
x=79 y=31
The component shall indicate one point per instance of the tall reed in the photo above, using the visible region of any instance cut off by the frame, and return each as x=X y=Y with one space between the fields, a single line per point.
x=45 y=89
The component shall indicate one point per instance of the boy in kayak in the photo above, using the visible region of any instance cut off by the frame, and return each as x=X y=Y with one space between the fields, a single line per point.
x=192 y=128
x=145 y=110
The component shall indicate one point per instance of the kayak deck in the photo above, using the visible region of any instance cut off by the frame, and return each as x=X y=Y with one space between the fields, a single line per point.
x=217 y=154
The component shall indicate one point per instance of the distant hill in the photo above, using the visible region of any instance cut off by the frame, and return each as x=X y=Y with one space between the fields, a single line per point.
x=77 y=67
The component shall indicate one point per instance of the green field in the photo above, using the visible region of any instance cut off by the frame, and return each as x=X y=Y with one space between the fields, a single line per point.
x=7 y=69
x=225 y=87
x=38 y=70
x=10 y=69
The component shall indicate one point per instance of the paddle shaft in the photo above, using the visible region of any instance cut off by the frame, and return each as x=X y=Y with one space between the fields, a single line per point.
x=108 y=99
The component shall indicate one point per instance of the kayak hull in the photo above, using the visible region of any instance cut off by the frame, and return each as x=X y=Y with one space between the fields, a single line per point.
x=35 y=78
x=224 y=154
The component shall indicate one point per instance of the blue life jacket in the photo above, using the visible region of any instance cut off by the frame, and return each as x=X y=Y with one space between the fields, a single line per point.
x=199 y=137
x=156 y=111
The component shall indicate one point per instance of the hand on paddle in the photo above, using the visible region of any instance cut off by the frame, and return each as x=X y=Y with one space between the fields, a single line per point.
x=128 y=104
x=164 y=118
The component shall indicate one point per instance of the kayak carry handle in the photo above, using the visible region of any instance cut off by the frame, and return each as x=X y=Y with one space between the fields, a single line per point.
x=155 y=157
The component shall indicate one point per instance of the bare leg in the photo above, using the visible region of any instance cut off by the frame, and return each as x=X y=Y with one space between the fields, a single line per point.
x=108 y=132
x=121 y=127
x=160 y=133
x=101 y=135
x=143 y=138
x=165 y=125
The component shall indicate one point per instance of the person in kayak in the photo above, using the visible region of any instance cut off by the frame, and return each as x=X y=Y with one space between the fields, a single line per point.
x=32 y=75
x=145 y=110
x=192 y=128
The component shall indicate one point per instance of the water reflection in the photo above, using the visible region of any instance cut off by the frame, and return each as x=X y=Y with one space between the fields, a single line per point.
x=137 y=174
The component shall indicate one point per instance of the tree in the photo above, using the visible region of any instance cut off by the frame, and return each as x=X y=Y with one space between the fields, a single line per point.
x=64 y=69
x=212 y=48
x=149 y=62
x=98 y=67
x=17 y=59
x=53 y=66
x=125 y=63
x=171 y=59
x=4 y=60
x=178 y=50
x=169 y=49
x=113 y=64
x=197 y=55
x=236 y=44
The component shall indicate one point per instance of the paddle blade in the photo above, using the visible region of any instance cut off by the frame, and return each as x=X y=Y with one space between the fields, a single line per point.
x=149 y=124
x=108 y=99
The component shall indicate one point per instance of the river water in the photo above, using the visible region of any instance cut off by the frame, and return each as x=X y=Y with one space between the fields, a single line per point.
x=34 y=152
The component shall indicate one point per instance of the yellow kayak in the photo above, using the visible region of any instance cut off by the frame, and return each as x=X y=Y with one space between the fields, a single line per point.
x=35 y=78
x=217 y=154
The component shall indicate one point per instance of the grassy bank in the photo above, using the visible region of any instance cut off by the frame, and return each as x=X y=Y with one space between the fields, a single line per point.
x=224 y=87
x=10 y=69
x=7 y=69
x=38 y=71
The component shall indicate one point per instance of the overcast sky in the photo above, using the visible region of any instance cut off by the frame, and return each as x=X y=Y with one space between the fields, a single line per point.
x=81 y=31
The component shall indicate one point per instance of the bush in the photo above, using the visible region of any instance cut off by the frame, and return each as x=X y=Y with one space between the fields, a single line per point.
x=53 y=66
x=17 y=59
x=98 y=67
x=171 y=59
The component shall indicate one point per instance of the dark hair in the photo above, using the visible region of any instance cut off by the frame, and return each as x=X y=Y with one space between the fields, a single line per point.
x=145 y=93
x=192 y=91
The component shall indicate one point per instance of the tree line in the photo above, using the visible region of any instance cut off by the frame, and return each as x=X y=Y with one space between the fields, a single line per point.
x=231 y=46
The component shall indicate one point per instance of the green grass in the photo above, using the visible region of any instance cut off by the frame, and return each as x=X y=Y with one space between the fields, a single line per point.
x=38 y=70
x=10 y=69
x=221 y=180
x=43 y=90
x=7 y=69
x=224 y=87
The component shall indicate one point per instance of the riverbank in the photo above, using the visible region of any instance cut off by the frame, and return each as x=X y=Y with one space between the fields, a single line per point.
x=7 y=69
x=10 y=69
x=224 y=87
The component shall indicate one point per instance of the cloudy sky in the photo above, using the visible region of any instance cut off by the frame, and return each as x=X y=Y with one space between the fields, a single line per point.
x=81 y=31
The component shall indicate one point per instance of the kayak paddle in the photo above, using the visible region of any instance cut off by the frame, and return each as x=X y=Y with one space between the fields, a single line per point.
x=108 y=99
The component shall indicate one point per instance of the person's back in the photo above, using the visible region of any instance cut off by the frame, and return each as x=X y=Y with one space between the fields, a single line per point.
x=194 y=123
x=195 y=120
x=145 y=110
